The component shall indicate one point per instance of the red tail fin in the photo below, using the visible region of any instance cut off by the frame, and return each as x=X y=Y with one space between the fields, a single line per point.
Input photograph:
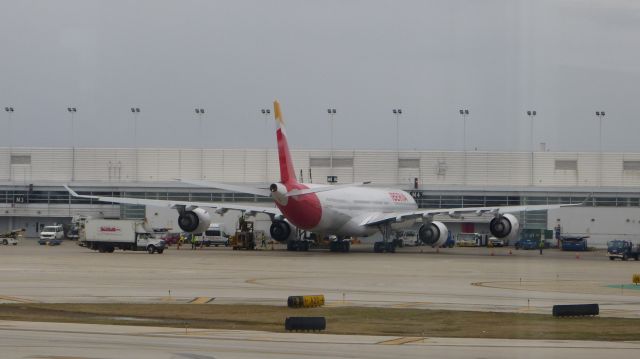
x=287 y=173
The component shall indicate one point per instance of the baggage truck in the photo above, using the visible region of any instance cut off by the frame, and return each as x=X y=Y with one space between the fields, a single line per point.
x=107 y=235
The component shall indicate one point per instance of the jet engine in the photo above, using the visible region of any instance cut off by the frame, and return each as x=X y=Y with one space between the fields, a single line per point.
x=505 y=226
x=194 y=221
x=433 y=233
x=280 y=230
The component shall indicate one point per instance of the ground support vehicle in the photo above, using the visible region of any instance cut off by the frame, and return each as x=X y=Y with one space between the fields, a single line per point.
x=622 y=249
x=107 y=235
x=495 y=242
x=244 y=237
x=215 y=236
x=11 y=237
x=51 y=235
x=529 y=243
x=573 y=243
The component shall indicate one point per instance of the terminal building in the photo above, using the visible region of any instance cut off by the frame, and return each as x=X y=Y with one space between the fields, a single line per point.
x=31 y=179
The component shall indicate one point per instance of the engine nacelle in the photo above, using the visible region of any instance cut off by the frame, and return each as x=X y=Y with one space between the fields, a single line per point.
x=195 y=221
x=434 y=234
x=279 y=193
x=280 y=230
x=505 y=226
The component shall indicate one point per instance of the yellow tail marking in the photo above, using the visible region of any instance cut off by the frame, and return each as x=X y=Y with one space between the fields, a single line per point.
x=277 y=112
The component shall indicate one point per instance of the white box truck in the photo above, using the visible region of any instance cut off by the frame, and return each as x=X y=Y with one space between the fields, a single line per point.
x=106 y=235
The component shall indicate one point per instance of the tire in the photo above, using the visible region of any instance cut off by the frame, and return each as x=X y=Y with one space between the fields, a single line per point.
x=151 y=249
x=110 y=250
x=5 y=242
x=101 y=249
x=612 y=258
x=160 y=251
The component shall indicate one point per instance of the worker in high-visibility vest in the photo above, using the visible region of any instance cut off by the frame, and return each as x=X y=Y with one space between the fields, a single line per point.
x=541 y=245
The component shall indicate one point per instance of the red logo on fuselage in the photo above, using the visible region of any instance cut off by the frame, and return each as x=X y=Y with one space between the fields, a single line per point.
x=398 y=197
x=109 y=229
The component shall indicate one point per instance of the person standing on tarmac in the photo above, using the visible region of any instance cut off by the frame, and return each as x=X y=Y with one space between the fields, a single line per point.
x=541 y=245
x=193 y=241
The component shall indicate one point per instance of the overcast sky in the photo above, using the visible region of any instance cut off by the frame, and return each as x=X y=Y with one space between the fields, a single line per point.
x=564 y=58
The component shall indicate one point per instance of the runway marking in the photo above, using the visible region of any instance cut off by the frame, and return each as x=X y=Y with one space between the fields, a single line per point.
x=400 y=341
x=201 y=300
x=16 y=299
x=409 y=304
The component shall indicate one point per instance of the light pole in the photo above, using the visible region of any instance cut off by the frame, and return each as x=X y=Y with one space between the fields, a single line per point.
x=531 y=114
x=464 y=113
x=332 y=113
x=200 y=114
x=72 y=111
x=397 y=112
x=135 y=111
x=266 y=113
x=600 y=116
x=9 y=110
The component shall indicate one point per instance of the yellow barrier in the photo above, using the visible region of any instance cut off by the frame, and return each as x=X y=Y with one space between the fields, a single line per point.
x=305 y=301
x=636 y=279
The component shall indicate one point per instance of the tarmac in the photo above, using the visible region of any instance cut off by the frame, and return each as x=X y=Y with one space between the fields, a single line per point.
x=90 y=341
x=481 y=279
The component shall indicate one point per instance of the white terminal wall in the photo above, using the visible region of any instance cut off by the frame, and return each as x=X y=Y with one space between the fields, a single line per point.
x=474 y=168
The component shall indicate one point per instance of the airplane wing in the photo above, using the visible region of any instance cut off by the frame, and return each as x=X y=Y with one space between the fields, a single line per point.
x=264 y=192
x=382 y=218
x=220 y=208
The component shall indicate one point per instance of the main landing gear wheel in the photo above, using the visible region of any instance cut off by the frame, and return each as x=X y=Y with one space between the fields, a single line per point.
x=340 y=246
x=381 y=247
x=301 y=246
x=387 y=245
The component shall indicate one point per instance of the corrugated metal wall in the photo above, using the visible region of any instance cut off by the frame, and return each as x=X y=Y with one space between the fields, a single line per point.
x=260 y=166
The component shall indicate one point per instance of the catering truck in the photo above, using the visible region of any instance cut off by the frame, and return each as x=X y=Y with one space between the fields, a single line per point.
x=107 y=235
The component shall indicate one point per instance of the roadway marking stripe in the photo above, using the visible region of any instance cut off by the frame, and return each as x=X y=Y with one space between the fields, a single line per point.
x=401 y=340
x=15 y=299
x=202 y=300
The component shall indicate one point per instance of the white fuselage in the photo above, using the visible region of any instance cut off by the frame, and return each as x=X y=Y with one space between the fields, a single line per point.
x=345 y=210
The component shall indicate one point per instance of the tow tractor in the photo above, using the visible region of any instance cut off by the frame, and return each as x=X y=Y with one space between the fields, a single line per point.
x=11 y=237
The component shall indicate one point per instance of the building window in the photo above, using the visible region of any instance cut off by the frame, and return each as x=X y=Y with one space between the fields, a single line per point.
x=631 y=165
x=409 y=163
x=566 y=165
x=20 y=159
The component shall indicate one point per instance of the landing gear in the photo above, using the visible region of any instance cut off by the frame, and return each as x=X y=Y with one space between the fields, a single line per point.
x=339 y=245
x=298 y=245
x=301 y=243
x=387 y=245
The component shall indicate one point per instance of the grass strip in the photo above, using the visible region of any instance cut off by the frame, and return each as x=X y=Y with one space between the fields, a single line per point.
x=342 y=320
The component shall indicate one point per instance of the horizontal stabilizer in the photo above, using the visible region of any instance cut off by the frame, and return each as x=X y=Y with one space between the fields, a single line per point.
x=300 y=192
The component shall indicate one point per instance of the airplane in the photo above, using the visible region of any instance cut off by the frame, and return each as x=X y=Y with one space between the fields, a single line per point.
x=345 y=210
